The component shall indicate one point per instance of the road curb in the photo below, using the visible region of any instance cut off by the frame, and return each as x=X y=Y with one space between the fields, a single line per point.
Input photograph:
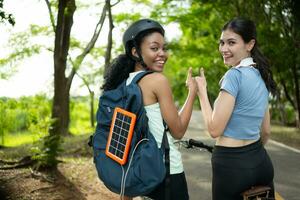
x=284 y=146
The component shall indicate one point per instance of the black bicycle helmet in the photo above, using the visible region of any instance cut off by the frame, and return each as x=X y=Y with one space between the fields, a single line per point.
x=134 y=30
x=140 y=26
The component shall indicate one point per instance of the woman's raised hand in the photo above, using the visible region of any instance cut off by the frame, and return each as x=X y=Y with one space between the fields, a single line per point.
x=201 y=81
x=190 y=81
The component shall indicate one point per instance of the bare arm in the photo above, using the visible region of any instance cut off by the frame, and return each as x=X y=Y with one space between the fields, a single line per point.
x=215 y=119
x=177 y=121
x=265 y=128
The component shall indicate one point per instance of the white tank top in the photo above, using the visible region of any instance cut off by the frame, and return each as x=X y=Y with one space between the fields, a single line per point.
x=157 y=129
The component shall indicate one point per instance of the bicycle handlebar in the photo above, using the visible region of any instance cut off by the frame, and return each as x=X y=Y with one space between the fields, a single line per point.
x=191 y=143
x=200 y=144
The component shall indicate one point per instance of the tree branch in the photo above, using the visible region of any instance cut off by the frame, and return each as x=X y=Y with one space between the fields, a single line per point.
x=286 y=92
x=109 y=37
x=51 y=15
x=89 y=46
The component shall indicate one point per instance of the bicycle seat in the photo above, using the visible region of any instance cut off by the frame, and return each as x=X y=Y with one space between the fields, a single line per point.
x=256 y=191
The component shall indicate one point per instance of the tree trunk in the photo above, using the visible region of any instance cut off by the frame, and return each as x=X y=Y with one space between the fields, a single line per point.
x=282 y=113
x=297 y=95
x=109 y=37
x=60 y=107
x=296 y=67
x=92 y=116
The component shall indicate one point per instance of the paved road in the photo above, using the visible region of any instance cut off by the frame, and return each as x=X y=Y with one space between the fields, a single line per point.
x=197 y=165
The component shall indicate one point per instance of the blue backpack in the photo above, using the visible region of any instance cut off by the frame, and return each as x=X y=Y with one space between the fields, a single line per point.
x=147 y=165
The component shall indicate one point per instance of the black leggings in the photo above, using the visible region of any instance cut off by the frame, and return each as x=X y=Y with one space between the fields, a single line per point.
x=177 y=188
x=236 y=169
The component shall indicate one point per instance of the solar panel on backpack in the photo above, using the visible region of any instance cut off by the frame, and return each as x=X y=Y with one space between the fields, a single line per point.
x=120 y=135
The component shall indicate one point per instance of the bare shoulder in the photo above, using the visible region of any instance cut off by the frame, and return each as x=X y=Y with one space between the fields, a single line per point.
x=155 y=78
x=154 y=86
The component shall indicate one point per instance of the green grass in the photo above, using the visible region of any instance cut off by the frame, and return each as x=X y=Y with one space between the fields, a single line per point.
x=71 y=145
x=286 y=135
x=17 y=139
x=26 y=137
x=82 y=129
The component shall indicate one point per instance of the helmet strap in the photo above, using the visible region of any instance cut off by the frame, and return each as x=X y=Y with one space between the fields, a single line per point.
x=139 y=59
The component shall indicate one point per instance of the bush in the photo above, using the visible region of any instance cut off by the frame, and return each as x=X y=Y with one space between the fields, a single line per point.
x=80 y=116
x=284 y=114
x=23 y=115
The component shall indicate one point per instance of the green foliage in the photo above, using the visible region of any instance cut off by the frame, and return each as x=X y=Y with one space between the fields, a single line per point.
x=37 y=30
x=23 y=45
x=197 y=47
x=4 y=16
x=289 y=114
x=21 y=138
x=48 y=153
x=80 y=116
x=33 y=116
x=24 y=114
x=23 y=48
x=126 y=18
x=201 y=22
x=29 y=118
x=3 y=121
x=147 y=2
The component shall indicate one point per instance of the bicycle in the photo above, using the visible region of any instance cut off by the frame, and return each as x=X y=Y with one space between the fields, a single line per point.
x=191 y=143
x=259 y=192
